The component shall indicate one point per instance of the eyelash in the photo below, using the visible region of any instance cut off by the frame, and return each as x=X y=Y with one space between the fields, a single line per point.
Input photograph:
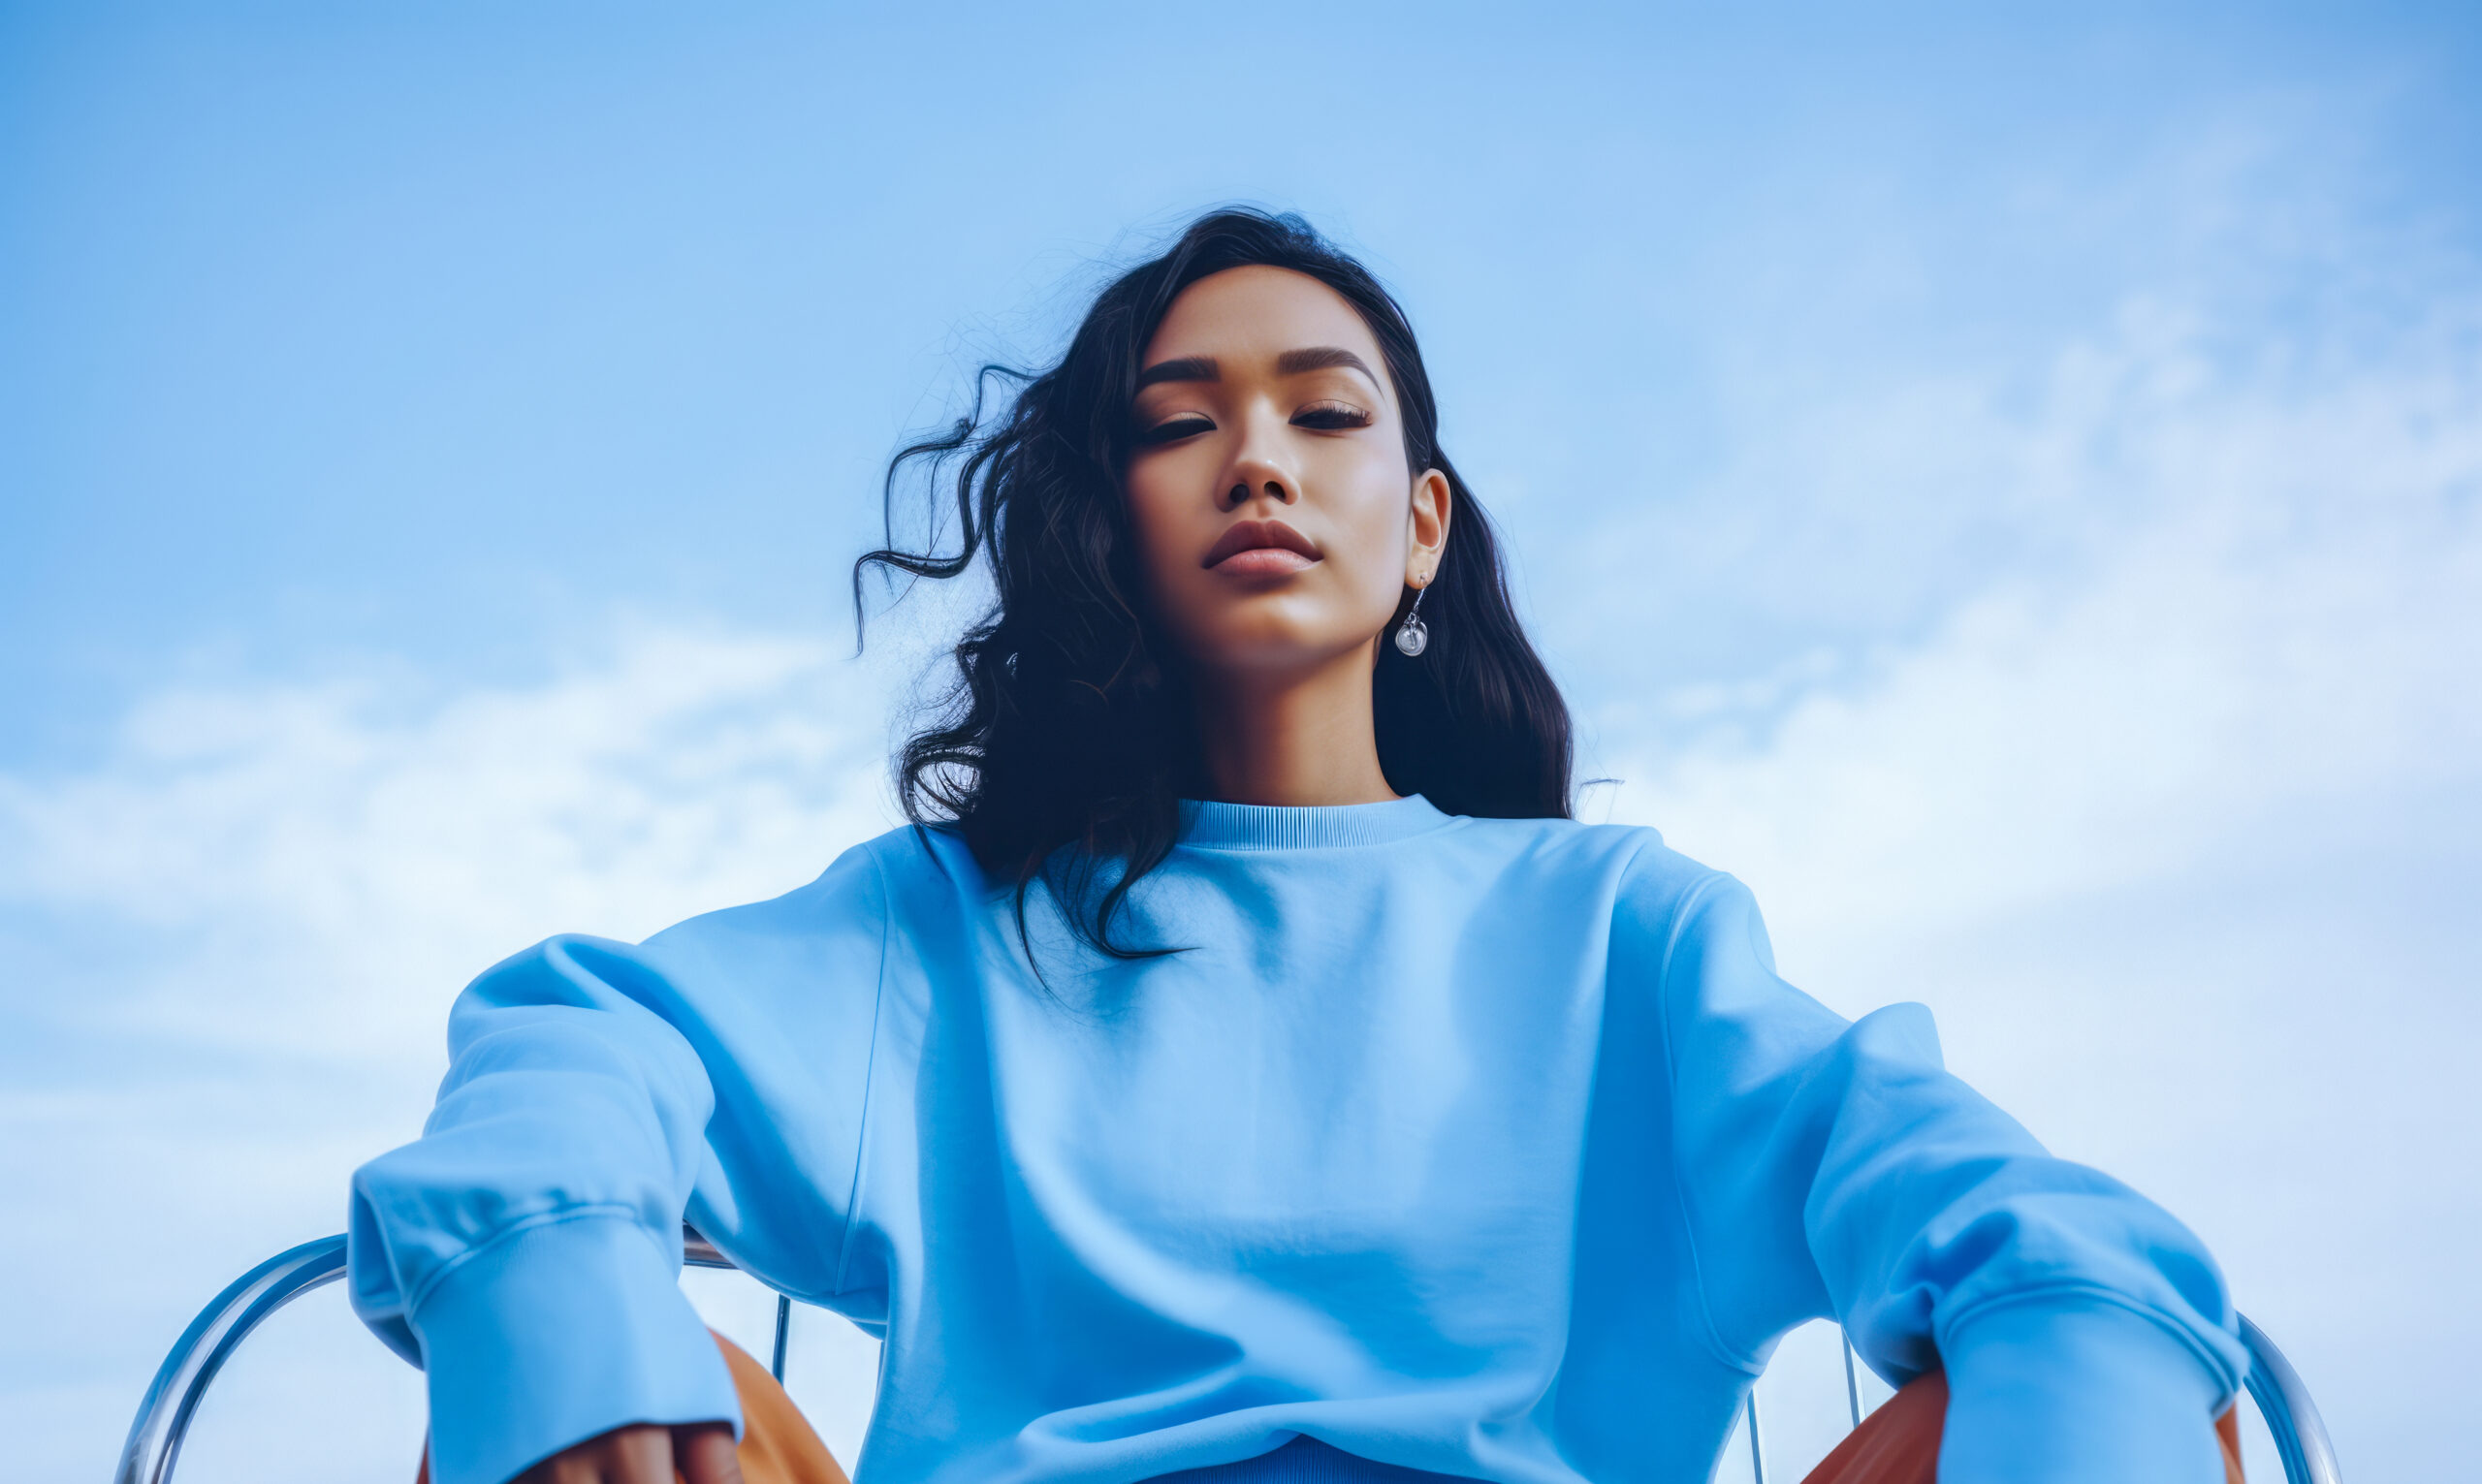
x=1174 y=430
x=1324 y=417
x=1341 y=415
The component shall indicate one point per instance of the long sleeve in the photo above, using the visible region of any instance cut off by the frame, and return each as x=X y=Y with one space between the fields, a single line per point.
x=525 y=1251
x=1837 y=1169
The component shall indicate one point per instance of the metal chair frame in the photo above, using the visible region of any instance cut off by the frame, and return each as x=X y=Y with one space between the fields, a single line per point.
x=172 y=1400
x=2292 y=1419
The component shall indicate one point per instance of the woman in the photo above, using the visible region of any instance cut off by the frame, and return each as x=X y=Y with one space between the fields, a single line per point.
x=1244 y=1064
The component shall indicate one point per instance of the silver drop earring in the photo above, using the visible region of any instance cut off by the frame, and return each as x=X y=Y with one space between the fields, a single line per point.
x=1412 y=637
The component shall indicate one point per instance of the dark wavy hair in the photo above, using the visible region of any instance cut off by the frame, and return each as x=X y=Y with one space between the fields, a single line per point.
x=1069 y=722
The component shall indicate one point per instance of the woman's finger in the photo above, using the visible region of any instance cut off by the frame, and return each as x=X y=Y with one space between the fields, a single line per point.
x=640 y=1454
x=704 y=1453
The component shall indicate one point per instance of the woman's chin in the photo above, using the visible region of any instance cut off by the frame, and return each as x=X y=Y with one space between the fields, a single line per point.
x=1275 y=650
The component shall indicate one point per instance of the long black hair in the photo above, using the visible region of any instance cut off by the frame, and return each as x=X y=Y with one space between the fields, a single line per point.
x=1069 y=723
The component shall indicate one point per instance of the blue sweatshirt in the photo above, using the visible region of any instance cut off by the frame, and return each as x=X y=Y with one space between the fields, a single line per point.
x=1490 y=1148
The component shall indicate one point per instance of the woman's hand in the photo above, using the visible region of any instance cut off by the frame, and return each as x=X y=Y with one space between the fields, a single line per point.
x=645 y=1453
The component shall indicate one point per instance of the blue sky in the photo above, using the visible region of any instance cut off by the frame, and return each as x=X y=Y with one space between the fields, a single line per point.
x=2011 y=489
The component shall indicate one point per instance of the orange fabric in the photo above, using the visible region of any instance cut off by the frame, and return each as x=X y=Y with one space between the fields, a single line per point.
x=777 y=1445
x=1899 y=1442
x=2227 y=1433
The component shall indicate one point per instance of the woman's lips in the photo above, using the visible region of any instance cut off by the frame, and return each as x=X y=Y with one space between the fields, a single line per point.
x=1262 y=561
x=1259 y=546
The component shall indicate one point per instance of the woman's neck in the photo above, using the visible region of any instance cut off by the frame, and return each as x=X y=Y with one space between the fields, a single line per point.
x=1296 y=738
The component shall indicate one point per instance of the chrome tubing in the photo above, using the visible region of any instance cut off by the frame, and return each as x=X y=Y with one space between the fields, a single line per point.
x=2301 y=1436
x=1852 y=1382
x=696 y=1252
x=172 y=1401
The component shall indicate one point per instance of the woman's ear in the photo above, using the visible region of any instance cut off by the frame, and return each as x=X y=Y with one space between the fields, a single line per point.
x=1428 y=519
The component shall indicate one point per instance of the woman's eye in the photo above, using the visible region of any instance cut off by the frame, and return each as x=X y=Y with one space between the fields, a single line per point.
x=1331 y=416
x=1174 y=430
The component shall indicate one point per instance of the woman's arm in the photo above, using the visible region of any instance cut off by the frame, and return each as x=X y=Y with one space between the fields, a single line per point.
x=525 y=1251
x=1835 y=1168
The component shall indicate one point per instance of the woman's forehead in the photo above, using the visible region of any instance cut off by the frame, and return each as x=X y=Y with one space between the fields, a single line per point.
x=1256 y=313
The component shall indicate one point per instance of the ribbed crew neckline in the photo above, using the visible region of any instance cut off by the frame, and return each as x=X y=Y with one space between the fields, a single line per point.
x=1212 y=825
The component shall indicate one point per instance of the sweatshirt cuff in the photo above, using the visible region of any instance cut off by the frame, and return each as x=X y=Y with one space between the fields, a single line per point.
x=554 y=1333
x=2075 y=1387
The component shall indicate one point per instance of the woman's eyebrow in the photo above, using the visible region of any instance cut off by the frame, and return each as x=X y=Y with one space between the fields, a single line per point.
x=1186 y=369
x=1292 y=363
x=1320 y=358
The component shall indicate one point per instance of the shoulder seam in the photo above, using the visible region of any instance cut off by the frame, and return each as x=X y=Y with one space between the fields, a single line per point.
x=1690 y=901
x=870 y=1068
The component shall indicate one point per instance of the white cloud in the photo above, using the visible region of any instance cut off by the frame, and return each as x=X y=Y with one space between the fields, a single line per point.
x=333 y=861
x=238 y=935
x=2044 y=740
x=2259 y=598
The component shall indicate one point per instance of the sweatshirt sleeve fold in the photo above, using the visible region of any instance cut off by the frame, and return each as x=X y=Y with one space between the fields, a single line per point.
x=525 y=1250
x=1834 y=1169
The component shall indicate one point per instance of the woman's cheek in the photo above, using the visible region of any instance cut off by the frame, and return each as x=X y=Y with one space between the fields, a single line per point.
x=1154 y=516
x=1380 y=502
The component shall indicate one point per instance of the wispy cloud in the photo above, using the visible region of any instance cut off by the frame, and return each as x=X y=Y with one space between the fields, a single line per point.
x=234 y=937
x=2261 y=602
x=323 y=862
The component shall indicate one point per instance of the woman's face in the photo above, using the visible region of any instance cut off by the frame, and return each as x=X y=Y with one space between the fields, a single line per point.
x=1267 y=485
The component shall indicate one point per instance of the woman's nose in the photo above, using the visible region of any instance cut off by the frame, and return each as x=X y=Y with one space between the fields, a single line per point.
x=1273 y=487
x=1259 y=471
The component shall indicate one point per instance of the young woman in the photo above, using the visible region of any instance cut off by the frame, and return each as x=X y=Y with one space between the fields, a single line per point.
x=1244 y=1064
